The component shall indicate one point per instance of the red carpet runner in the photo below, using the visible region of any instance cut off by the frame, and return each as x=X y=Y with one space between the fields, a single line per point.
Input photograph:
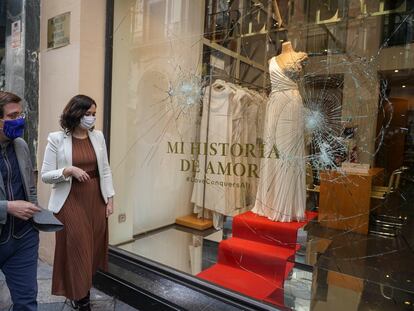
x=254 y=261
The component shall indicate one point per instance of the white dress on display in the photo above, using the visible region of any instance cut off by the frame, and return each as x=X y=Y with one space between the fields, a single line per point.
x=281 y=194
x=254 y=116
x=224 y=121
x=216 y=127
x=239 y=104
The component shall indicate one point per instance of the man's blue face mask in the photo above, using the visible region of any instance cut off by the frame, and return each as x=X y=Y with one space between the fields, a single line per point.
x=14 y=128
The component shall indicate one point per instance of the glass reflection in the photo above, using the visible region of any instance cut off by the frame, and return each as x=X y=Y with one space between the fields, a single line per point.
x=194 y=144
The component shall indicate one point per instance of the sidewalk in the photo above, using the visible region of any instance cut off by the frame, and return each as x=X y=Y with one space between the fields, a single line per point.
x=48 y=302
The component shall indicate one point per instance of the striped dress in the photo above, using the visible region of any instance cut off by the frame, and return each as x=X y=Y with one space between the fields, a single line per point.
x=82 y=246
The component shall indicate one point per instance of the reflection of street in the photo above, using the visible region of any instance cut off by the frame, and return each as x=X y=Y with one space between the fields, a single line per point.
x=156 y=86
x=374 y=272
x=178 y=247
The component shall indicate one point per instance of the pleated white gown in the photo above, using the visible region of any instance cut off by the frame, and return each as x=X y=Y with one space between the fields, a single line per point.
x=281 y=192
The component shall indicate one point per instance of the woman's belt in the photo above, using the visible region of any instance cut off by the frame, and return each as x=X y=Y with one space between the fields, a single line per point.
x=93 y=174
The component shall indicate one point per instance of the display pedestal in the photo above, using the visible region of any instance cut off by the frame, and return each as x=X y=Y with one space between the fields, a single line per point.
x=255 y=261
x=191 y=221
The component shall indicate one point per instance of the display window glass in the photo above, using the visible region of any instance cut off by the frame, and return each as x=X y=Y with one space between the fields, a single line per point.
x=267 y=146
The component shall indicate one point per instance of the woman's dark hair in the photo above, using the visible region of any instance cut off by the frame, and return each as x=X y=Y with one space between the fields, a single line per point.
x=74 y=111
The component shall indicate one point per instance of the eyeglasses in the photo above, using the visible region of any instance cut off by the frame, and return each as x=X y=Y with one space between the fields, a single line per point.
x=15 y=116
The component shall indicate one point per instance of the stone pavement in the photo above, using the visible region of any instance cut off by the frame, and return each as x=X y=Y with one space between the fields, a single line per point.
x=48 y=302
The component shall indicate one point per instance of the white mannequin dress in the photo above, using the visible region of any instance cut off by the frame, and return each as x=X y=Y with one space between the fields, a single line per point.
x=217 y=119
x=281 y=192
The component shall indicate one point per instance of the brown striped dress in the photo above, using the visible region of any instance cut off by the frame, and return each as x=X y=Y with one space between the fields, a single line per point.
x=82 y=246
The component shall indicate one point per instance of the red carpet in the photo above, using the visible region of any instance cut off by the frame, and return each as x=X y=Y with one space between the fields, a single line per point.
x=254 y=261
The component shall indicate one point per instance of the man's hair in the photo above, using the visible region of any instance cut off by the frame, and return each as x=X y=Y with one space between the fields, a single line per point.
x=7 y=98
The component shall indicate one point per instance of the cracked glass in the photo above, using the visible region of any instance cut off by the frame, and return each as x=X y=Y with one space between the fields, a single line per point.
x=267 y=146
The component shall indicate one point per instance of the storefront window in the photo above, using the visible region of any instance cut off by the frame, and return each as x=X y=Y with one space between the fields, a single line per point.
x=267 y=146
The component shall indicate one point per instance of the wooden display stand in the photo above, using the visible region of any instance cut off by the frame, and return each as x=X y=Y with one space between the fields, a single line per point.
x=344 y=201
x=191 y=221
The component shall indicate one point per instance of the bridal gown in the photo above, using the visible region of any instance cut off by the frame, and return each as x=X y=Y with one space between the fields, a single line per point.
x=281 y=192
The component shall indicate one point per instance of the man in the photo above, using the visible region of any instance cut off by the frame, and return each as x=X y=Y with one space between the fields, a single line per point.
x=19 y=240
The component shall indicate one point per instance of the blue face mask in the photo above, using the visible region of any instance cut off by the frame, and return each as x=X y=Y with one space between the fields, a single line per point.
x=13 y=128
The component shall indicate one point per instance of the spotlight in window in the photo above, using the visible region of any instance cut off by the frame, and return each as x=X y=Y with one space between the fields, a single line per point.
x=396 y=70
x=403 y=86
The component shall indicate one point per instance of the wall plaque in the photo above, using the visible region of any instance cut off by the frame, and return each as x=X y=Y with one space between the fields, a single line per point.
x=58 y=31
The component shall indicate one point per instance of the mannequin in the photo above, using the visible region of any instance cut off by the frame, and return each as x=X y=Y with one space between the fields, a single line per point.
x=281 y=194
x=289 y=57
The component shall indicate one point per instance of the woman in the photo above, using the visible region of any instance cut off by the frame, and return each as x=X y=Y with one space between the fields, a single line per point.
x=76 y=163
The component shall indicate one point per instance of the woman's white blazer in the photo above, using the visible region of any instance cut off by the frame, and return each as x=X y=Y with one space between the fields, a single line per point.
x=58 y=156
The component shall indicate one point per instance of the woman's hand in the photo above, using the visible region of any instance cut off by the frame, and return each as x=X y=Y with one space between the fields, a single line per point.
x=76 y=172
x=109 y=207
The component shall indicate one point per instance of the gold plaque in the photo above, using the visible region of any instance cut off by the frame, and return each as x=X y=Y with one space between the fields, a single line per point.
x=58 y=31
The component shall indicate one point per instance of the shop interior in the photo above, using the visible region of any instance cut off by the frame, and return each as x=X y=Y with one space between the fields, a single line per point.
x=202 y=155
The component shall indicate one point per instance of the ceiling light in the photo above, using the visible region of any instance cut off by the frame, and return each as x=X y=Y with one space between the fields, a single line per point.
x=403 y=86
x=396 y=70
